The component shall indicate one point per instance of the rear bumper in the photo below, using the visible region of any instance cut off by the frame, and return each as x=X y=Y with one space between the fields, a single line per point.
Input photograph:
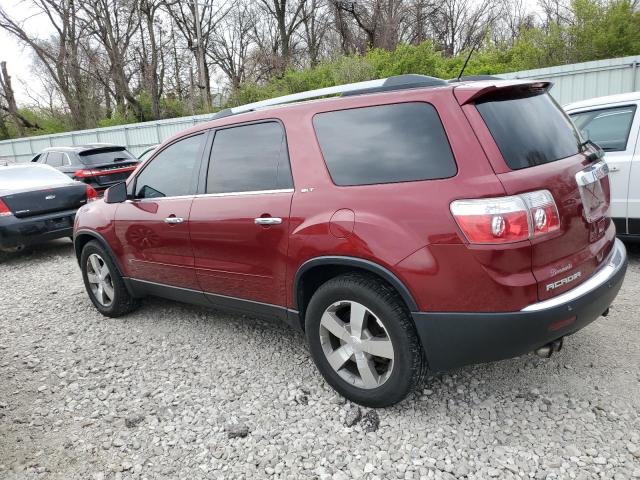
x=452 y=340
x=16 y=232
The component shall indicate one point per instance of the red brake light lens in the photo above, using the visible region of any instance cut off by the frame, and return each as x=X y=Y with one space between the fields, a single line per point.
x=543 y=210
x=92 y=195
x=506 y=219
x=4 y=210
x=84 y=173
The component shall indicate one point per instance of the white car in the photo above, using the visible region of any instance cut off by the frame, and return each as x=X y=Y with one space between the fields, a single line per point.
x=613 y=122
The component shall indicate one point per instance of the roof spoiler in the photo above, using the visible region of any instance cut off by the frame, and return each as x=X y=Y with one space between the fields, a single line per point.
x=467 y=93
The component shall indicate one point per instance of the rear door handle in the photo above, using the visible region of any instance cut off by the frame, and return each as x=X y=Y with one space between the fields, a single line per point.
x=268 y=221
x=614 y=169
x=173 y=220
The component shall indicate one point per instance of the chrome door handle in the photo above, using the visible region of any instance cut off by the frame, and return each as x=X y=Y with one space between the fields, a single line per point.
x=268 y=221
x=173 y=220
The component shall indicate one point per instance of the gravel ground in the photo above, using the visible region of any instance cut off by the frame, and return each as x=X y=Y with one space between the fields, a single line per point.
x=174 y=391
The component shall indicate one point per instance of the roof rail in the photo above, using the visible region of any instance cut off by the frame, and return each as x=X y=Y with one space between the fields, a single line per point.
x=400 y=82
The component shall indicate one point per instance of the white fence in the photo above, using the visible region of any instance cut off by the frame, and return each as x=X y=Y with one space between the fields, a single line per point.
x=571 y=83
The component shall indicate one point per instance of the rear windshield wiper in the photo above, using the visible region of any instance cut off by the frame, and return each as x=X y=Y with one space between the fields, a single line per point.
x=595 y=154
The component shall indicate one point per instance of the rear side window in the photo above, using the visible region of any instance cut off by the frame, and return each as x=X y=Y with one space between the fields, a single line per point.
x=54 y=159
x=105 y=155
x=171 y=172
x=608 y=127
x=529 y=130
x=249 y=158
x=384 y=144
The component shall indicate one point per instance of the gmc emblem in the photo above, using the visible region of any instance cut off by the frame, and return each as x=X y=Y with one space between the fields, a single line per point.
x=563 y=281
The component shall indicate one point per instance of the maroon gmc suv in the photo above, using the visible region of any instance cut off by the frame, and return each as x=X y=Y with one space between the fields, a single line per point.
x=406 y=225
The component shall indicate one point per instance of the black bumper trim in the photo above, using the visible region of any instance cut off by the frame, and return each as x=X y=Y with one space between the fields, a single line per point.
x=452 y=340
x=36 y=229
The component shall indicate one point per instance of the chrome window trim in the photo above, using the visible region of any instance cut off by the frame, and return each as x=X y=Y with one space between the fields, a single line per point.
x=250 y=192
x=616 y=261
x=203 y=195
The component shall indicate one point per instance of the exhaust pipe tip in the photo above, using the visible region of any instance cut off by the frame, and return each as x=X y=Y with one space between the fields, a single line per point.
x=547 y=350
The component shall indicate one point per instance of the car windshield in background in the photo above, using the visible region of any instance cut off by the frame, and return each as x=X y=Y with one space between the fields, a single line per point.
x=530 y=130
x=30 y=176
x=105 y=155
x=608 y=127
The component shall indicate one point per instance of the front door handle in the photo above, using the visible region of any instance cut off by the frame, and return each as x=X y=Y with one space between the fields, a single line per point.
x=268 y=221
x=173 y=220
x=614 y=169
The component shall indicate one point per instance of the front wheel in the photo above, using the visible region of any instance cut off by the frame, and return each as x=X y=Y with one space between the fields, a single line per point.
x=103 y=282
x=363 y=341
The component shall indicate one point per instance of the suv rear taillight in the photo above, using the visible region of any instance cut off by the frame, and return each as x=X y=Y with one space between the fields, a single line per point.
x=91 y=194
x=507 y=219
x=84 y=173
x=4 y=210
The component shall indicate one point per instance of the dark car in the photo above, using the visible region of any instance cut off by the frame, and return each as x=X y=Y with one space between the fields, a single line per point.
x=99 y=165
x=38 y=203
x=410 y=225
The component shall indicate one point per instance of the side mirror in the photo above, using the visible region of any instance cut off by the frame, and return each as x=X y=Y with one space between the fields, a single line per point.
x=116 y=194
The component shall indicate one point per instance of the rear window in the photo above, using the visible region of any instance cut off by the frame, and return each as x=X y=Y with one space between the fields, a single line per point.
x=530 y=130
x=105 y=155
x=384 y=144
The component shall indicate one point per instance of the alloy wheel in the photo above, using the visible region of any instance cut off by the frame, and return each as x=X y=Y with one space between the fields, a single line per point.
x=356 y=344
x=100 y=281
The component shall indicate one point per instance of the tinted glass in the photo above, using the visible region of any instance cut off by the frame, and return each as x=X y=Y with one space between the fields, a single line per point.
x=30 y=176
x=249 y=158
x=171 y=173
x=54 y=159
x=384 y=144
x=608 y=127
x=529 y=130
x=107 y=155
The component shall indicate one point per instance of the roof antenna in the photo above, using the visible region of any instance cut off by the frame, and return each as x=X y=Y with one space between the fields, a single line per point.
x=473 y=47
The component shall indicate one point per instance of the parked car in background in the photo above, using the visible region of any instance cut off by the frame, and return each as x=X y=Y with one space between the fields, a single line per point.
x=38 y=203
x=613 y=122
x=99 y=165
x=410 y=225
x=147 y=153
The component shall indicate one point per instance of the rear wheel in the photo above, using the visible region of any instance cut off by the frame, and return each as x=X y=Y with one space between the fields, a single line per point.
x=363 y=341
x=103 y=282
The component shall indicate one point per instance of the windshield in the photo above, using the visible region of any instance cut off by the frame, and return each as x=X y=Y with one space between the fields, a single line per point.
x=28 y=176
x=530 y=130
x=106 y=155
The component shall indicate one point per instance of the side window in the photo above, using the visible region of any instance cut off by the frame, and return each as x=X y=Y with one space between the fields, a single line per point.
x=249 y=158
x=171 y=173
x=54 y=159
x=66 y=161
x=608 y=127
x=384 y=144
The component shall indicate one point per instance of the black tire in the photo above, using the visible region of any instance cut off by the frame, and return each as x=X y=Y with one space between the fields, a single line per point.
x=409 y=363
x=122 y=303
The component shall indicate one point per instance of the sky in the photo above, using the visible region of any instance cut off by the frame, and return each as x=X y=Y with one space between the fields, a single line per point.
x=20 y=58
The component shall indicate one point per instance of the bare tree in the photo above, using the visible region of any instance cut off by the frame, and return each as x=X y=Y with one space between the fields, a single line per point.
x=230 y=44
x=288 y=16
x=316 y=21
x=11 y=106
x=113 y=23
x=458 y=24
x=198 y=34
x=61 y=56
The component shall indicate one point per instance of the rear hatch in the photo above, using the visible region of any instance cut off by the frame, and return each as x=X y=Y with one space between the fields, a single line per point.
x=46 y=200
x=532 y=146
x=107 y=165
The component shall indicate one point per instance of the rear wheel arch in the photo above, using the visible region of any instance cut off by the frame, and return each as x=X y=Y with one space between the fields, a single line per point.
x=317 y=271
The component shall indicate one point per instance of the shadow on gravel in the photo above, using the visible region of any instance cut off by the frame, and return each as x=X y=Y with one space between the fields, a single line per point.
x=62 y=246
